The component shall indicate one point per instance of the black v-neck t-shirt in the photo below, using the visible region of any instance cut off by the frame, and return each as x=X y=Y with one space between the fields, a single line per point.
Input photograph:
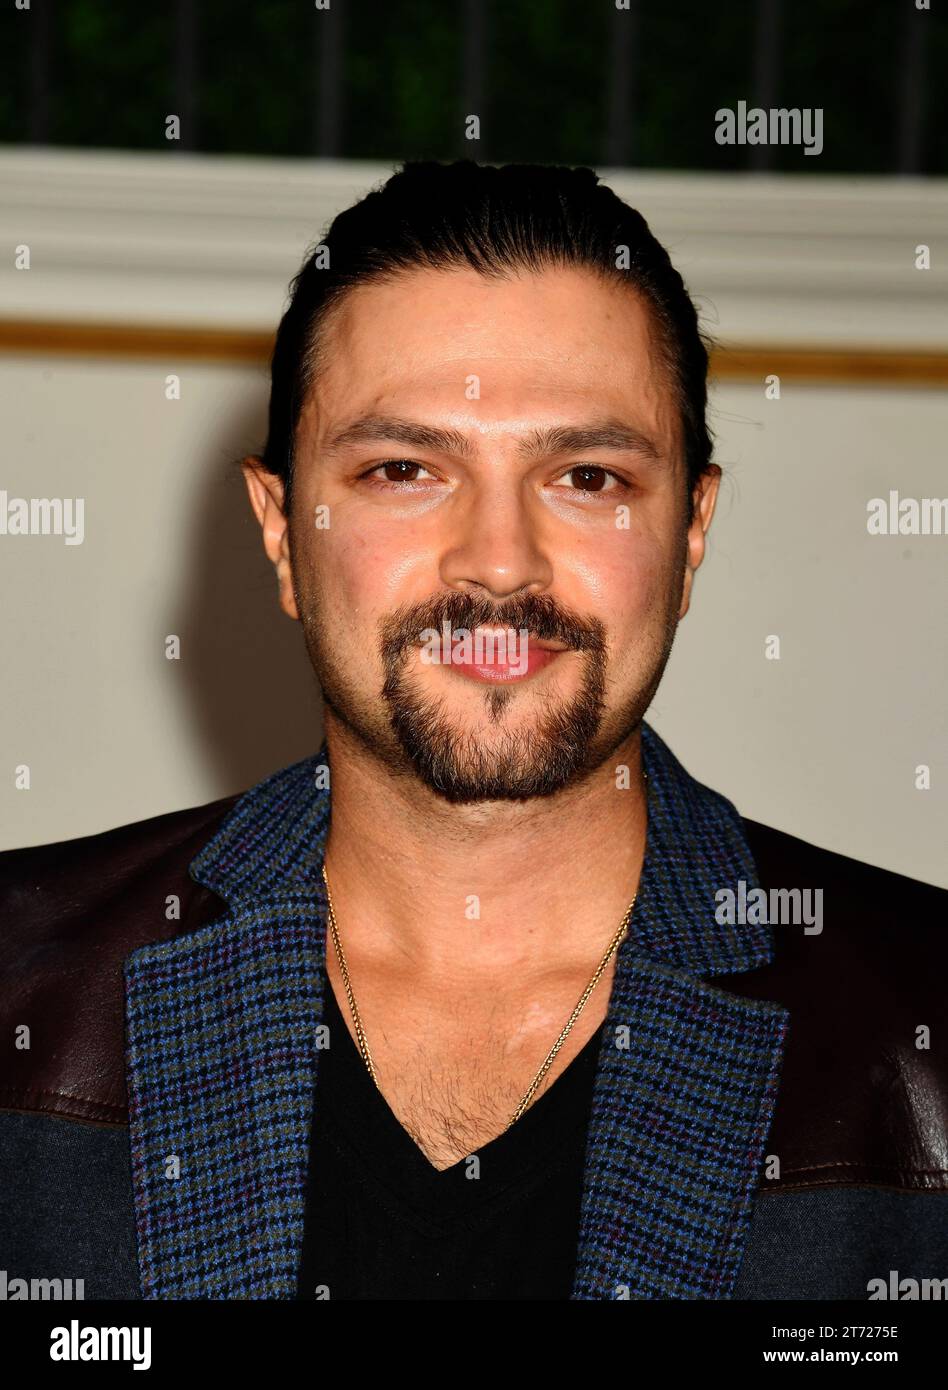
x=382 y=1223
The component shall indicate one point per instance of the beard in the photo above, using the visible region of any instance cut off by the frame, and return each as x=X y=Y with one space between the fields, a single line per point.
x=514 y=763
x=417 y=735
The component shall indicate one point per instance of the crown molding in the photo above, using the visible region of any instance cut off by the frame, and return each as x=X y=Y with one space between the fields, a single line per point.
x=211 y=243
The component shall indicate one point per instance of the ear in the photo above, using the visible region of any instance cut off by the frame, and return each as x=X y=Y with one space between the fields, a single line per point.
x=266 y=492
x=705 y=496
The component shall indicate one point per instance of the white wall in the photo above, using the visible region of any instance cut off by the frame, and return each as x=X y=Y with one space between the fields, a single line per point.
x=823 y=743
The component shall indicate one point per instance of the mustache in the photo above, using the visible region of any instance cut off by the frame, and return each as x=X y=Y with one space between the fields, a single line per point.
x=538 y=614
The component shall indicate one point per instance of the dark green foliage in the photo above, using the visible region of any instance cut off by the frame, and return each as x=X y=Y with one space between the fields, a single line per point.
x=113 y=74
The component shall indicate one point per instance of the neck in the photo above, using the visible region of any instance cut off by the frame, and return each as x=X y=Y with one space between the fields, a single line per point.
x=468 y=892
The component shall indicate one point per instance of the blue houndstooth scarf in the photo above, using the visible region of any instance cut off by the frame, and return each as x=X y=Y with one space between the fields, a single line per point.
x=222 y=1056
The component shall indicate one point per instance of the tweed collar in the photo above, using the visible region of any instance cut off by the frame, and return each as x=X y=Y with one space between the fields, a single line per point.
x=272 y=844
x=225 y=1025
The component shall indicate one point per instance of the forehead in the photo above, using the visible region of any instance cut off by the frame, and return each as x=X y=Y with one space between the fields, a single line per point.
x=563 y=341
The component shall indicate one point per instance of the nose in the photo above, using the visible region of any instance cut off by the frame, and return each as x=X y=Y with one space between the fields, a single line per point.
x=495 y=546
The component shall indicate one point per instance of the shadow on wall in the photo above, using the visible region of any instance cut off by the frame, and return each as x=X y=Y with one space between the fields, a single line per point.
x=247 y=678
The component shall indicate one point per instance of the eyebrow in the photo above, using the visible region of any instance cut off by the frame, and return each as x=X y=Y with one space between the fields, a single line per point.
x=558 y=439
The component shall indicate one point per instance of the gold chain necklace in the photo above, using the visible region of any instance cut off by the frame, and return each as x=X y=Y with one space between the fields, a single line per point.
x=551 y=1055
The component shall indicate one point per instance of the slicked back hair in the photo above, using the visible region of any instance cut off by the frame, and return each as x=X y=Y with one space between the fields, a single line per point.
x=499 y=221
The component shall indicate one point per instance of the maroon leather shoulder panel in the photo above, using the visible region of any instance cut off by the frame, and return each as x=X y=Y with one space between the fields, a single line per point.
x=859 y=1102
x=70 y=913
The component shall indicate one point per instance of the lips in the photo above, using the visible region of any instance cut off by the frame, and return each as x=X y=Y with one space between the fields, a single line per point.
x=478 y=661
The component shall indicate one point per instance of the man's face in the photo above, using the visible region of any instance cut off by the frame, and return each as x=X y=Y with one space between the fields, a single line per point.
x=489 y=546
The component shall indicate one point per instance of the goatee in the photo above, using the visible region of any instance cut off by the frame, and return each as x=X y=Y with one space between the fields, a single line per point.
x=514 y=764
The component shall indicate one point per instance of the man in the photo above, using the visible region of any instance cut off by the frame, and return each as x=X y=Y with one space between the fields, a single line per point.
x=488 y=999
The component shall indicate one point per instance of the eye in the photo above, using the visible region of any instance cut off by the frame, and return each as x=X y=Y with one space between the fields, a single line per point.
x=398 y=471
x=587 y=478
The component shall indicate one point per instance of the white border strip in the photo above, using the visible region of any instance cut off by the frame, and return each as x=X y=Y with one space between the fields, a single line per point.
x=214 y=241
